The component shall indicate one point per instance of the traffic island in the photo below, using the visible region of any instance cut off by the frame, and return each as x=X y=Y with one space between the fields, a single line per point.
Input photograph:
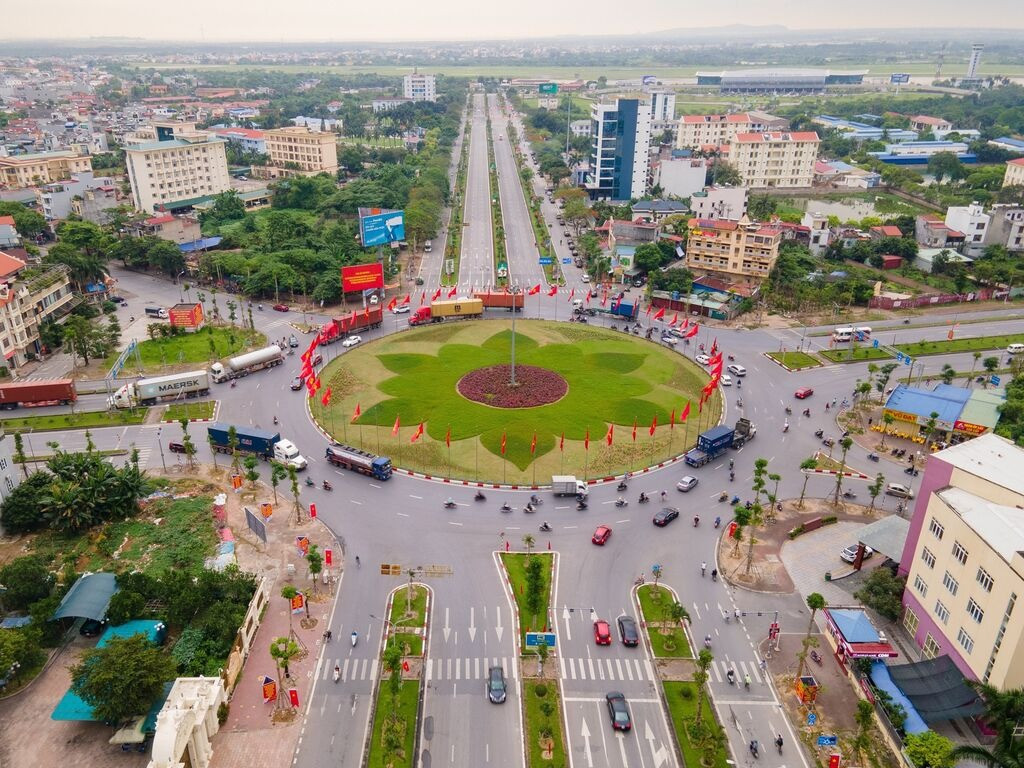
x=701 y=741
x=793 y=361
x=663 y=617
x=60 y=422
x=396 y=709
x=542 y=708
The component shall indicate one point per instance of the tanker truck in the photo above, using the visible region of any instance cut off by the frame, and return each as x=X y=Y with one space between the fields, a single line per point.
x=248 y=363
x=149 y=391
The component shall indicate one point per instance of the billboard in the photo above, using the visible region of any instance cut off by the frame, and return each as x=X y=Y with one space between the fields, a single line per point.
x=899 y=79
x=547 y=88
x=382 y=227
x=362 y=277
x=649 y=79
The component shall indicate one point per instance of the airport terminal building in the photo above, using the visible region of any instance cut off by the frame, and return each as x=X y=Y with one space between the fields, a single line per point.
x=779 y=79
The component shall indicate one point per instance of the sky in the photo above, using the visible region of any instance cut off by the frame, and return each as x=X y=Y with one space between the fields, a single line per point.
x=409 y=20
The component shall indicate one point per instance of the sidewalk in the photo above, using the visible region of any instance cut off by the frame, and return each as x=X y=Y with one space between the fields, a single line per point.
x=250 y=736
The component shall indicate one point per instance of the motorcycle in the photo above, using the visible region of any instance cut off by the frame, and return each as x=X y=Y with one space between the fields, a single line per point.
x=816 y=657
x=506 y=507
x=337 y=673
x=873 y=457
x=807 y=412
x=309 y=481
x=529 y=508
x=621 y=486
x=536 y=500
x=707 y=641
x=819 y=433
x=644 y=498
x=328 y=486
x=696 y=520
x=734 y=500
x=621 y=502
x=275 y=420
x=911 y=471
x=753 y=748
x=789 y=410
x=732 y=476
x=479 y=496
x=785 y=427
x=723 y=496
x=581 y=505
x=545 y=527
x=731 y=674
x=731 y=358
x=355 y=639
x=739 y=402
x=849 y=495
x=718 y=521
x=449 y=504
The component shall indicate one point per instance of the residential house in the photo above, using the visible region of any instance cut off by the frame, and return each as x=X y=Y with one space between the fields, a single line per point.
x=931 y=231
x=9 y=237
x=884 y=231
x=818 y=232
x=57 y=201
x=924 y=123
x=247 y=139
x=679 y=176
x=176 y=229
x=28 y=297
x=656 y=210
x=33 y=169
x=1014 y=173
x=973 y=222
x=702 y=130
x=732 y=250
x=1005 y=226
x=720 y=203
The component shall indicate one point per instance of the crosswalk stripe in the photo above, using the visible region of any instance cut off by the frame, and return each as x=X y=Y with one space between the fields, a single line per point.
x=373 y=670
x=430 y=669
x=629 y=670
x=344 y=671
x=590 y=663
x=476 y=668
x=449 y=675
x=600 y=670
x=458 y=669
x=572 y=668
x=618 y=666
x=611 y=673
x=649 y=670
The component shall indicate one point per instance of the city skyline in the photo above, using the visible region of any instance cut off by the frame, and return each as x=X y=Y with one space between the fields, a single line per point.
x=462 y=20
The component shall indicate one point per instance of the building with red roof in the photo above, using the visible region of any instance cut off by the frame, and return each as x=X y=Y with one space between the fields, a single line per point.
x=700 y=130
x=775 y=158
x=1014 y=173
x=735 y=251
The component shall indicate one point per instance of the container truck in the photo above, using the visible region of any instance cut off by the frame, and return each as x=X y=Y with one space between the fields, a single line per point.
x=258 y=442
x=744 y=433
x=621 y=309
x=149 y=391
x=35 y=393
x=347 y=457
x=568 y=485
x=248 y=363
x=372 y=317
x=710 y=444
x=448 y=309
x=501 y=300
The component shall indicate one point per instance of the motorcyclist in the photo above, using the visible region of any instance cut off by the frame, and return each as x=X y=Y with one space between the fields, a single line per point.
x=545 y=526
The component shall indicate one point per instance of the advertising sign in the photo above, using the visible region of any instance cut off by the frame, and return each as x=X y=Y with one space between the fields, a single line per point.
x=269 y=689
x=328 y=557
x=362 y=277
x=533 y=639
x=255 y=525
x=547 y=88
x=902 y=415
x=382 y=227
x=298 y=602
x=649 y=80
x=971 y=429
x=312 y=509
x=899 y=78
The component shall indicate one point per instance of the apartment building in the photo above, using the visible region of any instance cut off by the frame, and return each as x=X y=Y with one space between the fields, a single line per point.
x=247 y=139
x=28 y=296
x=973 y=222
x=964 y=560
x=775 y=159
x=166 y=172
x=742 y=250
x=297 y=150
x=702 y=130
x=35 y=168
x=1014 y=173
x=663 y=106
x=720 y=203
x=419 y=87
x=620 y=150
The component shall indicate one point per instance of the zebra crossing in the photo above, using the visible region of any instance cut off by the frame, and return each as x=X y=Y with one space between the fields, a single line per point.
x=352 y=669
x=719 y=669
x=474 y=668
x=605 y=669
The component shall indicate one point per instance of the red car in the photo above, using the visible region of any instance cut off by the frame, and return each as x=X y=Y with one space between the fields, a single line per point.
x=602 y=632
x=601 y=535
x=803 y=393
x=281 y=307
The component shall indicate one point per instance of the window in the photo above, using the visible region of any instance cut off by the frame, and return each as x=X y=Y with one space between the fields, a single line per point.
x=910 y=621
x=959 y=552
x=928 y=557
x=936 y=528
x=920 y=586
x=984 y=579
x=950 y=583
x=930 y=649
x=965 y=640
x=975 y=610
x=942 y=612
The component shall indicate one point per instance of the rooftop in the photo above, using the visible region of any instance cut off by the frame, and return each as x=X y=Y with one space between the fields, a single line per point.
x=929 y=120
x=1016 y=161
x=989 y=457
x=149 y=146
x=754 y=138
x=1001 y=527
x=945 y=400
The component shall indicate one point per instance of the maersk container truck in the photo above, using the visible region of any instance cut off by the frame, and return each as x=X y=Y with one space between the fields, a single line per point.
x=248 y=363
x=449 y=309
x=710 y=445
x=364 y=463
x=150 y=391
x=33 y=393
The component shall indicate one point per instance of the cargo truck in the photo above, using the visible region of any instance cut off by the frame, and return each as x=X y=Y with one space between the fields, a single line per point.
x=621 y=309
x=744 y=433
x=248 y=363
x=356 y=322
x=347 y=457
x=501 y=300
x=450 y=309
x=258 y=442
x=568 y=485
x=149 y=391
x=710 y=445
x=36 y=393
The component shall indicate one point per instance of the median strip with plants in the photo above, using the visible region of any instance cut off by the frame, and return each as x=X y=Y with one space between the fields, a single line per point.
x=453 y=246
x=844 y=354
x=81 y=420
x=498 y=248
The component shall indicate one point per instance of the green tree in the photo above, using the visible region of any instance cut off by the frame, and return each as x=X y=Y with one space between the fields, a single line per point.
x=236 y=459
x=27 y=580
x=277 y=474
x=528 y=542
x=700 y=679
x=725 y=174
x=19 y=453
x=186 y=441
x=289 y=593
x=542 y=657
x=929 y=750
x=943 y=165
x=252 y=474
x=282 y=651
x=28 y=222
x=805 y=467
x=990 y=364
x=122 y=679
x=21 y=511
x=535 y=586
x=315 y=560
x=293 y=478
x=882 y=591
x=845 y=444
x=647 y=257
x=815 y=602
x=876 y=488
x=888 y=420
x=948 y=373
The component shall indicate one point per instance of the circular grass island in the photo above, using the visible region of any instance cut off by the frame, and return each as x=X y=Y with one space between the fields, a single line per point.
x=575 y=387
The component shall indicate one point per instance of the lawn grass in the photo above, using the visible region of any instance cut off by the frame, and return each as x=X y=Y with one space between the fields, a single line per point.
x=795 y=359
x=194 y=348
x=80 y=420
x=180 y=542
x=923 y=348
x=611 y=377
x=408 y=702
x=542 y=715
x=682 y=706
x=651 y=602
x=204 y=409
x=415 y=617
x=515 y=566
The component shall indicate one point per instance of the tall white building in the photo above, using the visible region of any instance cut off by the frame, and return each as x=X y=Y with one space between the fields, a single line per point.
x=775 y=159
x=663 y=106
x=975 y=60
x=164 y=172
x=620 y=150
x=419 y=87
x=973 y=222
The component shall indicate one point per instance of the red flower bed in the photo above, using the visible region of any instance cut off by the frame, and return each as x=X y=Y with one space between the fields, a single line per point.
x=534 y=386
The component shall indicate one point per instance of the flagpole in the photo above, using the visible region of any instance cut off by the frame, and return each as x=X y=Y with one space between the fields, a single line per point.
x=477 y=459
x=449 y=441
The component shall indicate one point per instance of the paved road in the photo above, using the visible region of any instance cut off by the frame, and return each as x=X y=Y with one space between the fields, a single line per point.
x=476 y=261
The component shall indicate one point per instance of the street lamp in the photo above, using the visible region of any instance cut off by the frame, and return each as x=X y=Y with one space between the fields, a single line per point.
x=177 y=280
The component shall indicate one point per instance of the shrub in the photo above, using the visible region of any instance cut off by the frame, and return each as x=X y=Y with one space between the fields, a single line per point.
x=829 y=520
x=541 y=690
x=686 y=692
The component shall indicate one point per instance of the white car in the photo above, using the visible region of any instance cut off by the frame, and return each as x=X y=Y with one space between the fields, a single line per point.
x=401 y=309
x=726 y=380
x=351 y=341
x=738 y=369
x=585 y=278
x=687 y=483
x=670 y=340
x=703 y=359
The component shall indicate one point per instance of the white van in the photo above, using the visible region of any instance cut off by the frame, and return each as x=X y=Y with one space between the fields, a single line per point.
x=427 y=246
x=1013 y=349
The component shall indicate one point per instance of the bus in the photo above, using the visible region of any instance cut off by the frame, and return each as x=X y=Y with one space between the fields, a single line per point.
x=861 y=333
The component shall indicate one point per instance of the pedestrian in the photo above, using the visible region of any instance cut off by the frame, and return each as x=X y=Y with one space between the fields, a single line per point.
x=763 y=665
x=826 y=407
x=870 y=421
x=703 y=568
x=834 y=399
x=714 y=574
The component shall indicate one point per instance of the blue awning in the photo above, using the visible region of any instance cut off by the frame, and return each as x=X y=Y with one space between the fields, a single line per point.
x=200 y=245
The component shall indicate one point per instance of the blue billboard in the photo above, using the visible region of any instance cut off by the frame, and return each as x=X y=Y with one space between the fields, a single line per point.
x=899 y=79
x=382 y=228
x=649 y=79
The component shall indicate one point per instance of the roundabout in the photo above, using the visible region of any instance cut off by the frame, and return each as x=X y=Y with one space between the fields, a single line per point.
x=443 y=400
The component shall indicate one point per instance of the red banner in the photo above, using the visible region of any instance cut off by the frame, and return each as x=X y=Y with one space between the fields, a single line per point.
x=328 y=557
x=362 y=277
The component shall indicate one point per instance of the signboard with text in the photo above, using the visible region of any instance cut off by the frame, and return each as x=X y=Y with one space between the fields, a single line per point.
x=382 y=227
x=900 y=78
x=533 y=639
x=362 y=277
x=547 y=88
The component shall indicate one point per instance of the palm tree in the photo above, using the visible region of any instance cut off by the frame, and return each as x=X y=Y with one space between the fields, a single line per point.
x=887 y=419
x=1000 y=756
x=976 y=357
x=277 y=474
x=846 y=442
x=805 y=466
x=1006 y=711
x=700 y=679
x=528 y=542
x=815 y=602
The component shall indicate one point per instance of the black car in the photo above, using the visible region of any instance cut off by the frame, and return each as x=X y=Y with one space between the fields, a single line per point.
x=296 y=383
x=117 y=299
x=176 y=447
x=618 y=711
x=496 y=688
x=91 y=628
x=628 y=632
x=665 y=516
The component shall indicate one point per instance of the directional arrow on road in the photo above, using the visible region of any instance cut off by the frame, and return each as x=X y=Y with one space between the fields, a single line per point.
x=585 y=733
x=621 y=738
x=472 y=624
x=447 y=629
x=498 y=629
x=659 y=754
x=565 y=617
